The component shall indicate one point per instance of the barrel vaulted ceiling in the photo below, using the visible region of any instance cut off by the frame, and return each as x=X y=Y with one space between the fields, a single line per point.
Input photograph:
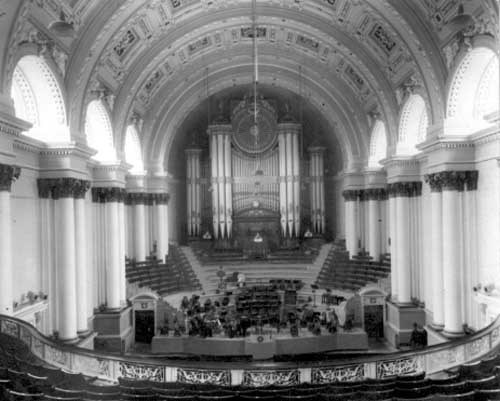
x=351 y=61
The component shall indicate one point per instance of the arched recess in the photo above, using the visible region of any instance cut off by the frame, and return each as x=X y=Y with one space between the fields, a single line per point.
x=99 y=131
x=38 y=98
x=133 y=152
x=378 y=145
x=474 y=90
x=413 y=125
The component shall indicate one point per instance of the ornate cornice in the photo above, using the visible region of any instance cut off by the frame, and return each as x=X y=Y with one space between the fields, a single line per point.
x=351 y=194
x=161 y=198
x=8 y=174
x=375 y=194
x=66 y=187
x=404 y=189
x=435 y=181
x=455 y=180
x=81 y=189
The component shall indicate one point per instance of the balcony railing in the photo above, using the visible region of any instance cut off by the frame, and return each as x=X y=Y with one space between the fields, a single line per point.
x=110 y=367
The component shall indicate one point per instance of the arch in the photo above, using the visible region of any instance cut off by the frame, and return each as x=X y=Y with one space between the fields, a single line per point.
x=413 y=125
x=378 y=145
x=133 y=152
x=474 y=92
x=99 y=131
x=38 y=98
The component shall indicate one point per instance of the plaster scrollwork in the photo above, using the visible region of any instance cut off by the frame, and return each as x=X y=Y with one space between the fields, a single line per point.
x=340 y=374
x=25 y=336
x=478 y=346
x=8 y=174
x=446 y=357
x=397 y=367
x=10 y=328
x=142 y=372
x=56 y=356
x=495 y=337
x=263 y=378
x=203 y=376
x=92 y=366
x=37 y=347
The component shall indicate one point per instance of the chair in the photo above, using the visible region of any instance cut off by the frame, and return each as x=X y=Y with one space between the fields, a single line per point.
x=486 y=383
x=21 y=396
x=467 y=396
x=416 y=392
x=487 y=394
x=47 y=397
x=452 y=388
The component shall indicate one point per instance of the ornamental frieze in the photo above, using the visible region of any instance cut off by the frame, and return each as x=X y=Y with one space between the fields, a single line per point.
x=107 y=194
x=404 y=189
x=81 y=189
x=375 y=194
x=351 y=194
x=7 y=175
x=453 y=180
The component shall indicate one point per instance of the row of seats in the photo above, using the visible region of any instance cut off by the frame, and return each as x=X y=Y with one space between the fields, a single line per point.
x=340 y=272
x=27 y=378
x=175 y=275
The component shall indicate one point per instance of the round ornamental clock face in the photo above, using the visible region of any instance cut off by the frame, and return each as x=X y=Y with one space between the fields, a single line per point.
x=254 y=138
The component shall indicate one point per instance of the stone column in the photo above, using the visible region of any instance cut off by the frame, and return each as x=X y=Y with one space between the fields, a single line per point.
x=161 y=202
x=63 y=191
x=7 y=175
x=138 y=200
x=351 y=225
x=113 y=270
x=453 y=182
x=81 y=263
x=374 y=197
x=436 y=257
x=393 y=250
x=121 y=223
x=402 y=191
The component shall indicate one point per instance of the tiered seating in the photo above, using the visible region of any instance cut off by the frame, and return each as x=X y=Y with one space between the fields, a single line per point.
x=166 y=278
x=342 y=273
x=27 y=379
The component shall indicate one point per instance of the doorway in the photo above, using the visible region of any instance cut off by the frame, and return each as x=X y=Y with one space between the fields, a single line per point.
x=374 y=320
x=144 y=326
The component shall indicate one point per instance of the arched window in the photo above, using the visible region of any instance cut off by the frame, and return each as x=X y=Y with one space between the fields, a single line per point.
x=99 y=132
x=133 y=154
x=474 y=91
x=378 y=145
x=38 y=99
x=412 y=125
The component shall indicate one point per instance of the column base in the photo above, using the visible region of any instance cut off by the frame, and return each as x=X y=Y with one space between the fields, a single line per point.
x=114 y=328
x=400 y=320
x=69 y=341
x=437 y=326
x=451 y=334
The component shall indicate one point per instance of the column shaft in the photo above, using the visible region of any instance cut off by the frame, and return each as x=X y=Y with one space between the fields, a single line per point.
x=123 y=280
x=393 y=250
x=140 y=231
x=453 y=319
x=66 y=271
x=113 y=287
x=6 y=294
x=437 y=259
x=81 y=265
x=374 y=229
x=403 y=249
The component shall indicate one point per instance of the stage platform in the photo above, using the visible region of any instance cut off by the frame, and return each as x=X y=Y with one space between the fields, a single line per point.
x=272 y=344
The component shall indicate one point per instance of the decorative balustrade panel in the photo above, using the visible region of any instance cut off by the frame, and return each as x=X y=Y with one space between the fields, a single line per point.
x=142 y=372
x=431 y=360
x=338 y=374
x=262 y=378
x=397 y=367
x=204 y=376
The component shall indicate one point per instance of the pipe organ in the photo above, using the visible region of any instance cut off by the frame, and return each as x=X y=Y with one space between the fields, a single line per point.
x=288 y=142
x=317 y=189
x=193 y=191
x=253 y=174
x=221 y=180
